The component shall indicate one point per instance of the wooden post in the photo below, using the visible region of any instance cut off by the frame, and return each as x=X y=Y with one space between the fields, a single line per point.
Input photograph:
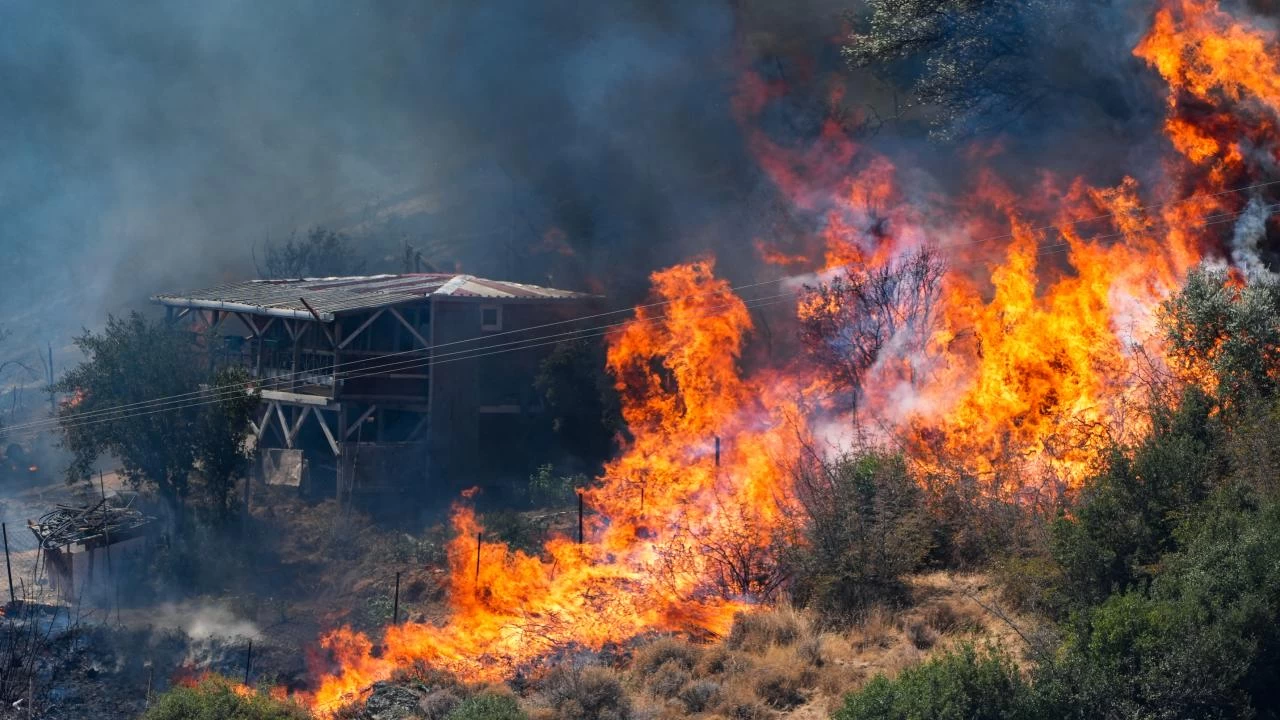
x=8 y=567
x=717 y=451
x=395 y=605
x=102 y=486
x=579 y=517
x=248 y=662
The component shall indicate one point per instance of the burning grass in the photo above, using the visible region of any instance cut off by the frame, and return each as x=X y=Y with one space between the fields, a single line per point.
x=773 y=663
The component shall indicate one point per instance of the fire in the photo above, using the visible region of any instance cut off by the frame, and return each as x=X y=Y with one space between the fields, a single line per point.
x=660 y=511
x=1044 y=317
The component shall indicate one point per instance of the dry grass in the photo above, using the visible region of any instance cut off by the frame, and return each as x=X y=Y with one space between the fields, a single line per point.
x=779 y=664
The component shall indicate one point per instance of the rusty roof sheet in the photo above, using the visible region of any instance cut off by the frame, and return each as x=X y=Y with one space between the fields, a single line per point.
x=333 y=295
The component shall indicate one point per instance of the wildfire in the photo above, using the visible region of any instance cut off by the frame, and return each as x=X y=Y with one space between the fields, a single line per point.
x=1045 y=314
x=662 y=509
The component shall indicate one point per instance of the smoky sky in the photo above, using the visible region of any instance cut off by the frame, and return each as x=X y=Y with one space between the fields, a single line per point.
x=154 y=145
x=150 y=145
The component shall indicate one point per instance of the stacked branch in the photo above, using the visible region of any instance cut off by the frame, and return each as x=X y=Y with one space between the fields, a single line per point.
x=68 y=525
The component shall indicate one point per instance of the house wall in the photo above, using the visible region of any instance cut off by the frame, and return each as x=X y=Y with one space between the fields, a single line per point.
x=487 y=419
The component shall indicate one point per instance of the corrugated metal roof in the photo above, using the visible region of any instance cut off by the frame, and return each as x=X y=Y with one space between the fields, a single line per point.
x=329 y=296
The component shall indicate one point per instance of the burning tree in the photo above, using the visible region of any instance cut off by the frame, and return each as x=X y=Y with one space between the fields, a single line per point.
x=867 y=315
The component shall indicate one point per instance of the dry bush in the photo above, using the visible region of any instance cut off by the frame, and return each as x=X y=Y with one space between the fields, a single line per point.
x=668 y=679
x=812 y=650
x=438 y=705
x=700 y=696
x=590 y=693
x=662 y=651
x=781 y=689
x=878 y=628
x=719 y=660
x=756 y=632
x=945 y=619
x=920 y=635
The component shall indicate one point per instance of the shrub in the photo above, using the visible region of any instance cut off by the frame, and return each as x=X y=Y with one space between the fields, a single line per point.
x=756 y=632
x=217 y=698
x=1201 y=643
x=780 y=689
x=487 y=706
x=1124 y=521
x=864 y=527
x=700 y=696
x=662 y=651
x=668 y=679
x=965 y=685
x=438 y=705
x=591 y=693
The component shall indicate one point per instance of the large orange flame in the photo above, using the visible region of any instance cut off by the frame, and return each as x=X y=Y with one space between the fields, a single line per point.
x=661 y=511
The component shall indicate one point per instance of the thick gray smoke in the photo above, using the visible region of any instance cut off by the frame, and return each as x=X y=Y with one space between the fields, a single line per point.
x=151 y=144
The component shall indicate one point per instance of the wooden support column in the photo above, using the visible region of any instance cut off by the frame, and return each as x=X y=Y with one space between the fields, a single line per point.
x=295 y=331
x=344 y=475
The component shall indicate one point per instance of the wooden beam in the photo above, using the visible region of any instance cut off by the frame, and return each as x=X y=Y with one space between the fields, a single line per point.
x=358 y=424
x=297 y=425
x=319 y=319
x=363 y=326
x=418 y=428
x=284 y=427
x=412 y=330
x=261 y=427
x=324 y=426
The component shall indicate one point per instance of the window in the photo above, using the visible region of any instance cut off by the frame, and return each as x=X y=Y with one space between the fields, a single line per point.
x=490 y=317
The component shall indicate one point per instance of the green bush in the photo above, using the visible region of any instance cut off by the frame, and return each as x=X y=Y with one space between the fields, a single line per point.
x=487 y=706
x=1124 y=521
x=864 y=527
x=216 y=698
x=968 y=684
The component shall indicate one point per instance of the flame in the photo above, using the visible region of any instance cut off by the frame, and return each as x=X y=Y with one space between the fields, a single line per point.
x=1045 y=317
x=656 y=513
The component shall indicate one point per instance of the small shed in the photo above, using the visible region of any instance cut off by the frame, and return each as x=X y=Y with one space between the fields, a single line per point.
x=86 y=547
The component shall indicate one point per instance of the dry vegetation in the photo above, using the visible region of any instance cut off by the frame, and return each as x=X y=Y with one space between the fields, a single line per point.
x=776 y=663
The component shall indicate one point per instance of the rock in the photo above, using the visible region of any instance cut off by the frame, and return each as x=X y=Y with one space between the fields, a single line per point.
x=389 y=701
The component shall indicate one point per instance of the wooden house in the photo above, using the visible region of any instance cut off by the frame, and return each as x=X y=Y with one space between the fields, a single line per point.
x=387 y=382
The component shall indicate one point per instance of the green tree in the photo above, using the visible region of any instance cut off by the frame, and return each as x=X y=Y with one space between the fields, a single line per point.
x=581 y=399
x=113 y=410
x=222 y=452
x=1227 y=334
x=217 y=698
x=1124 y=521
x=975 y=66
